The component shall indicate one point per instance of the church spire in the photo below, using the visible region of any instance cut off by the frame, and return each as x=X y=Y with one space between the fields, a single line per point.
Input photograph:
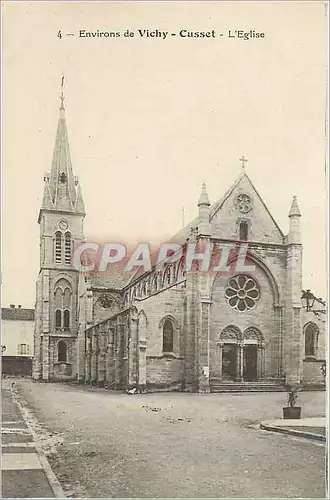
x=61 y=183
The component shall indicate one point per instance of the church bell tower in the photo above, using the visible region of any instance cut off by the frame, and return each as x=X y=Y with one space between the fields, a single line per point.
x=60 y=219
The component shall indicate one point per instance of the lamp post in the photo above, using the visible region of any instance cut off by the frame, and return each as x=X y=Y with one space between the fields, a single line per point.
x=308 y=300
x=3 y=349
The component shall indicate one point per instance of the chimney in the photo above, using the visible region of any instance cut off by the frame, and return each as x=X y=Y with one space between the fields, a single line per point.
x=12 y=306
x=19 y=306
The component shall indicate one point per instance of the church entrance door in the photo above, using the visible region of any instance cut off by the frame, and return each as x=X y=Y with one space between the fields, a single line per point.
x=229 y=357
x=250 y=362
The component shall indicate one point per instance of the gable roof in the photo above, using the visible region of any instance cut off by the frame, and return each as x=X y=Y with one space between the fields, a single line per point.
x=216 y=207
x=183 y=234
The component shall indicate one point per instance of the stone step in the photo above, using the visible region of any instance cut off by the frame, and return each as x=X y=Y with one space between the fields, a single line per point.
x=218 y=389
x=262 y=386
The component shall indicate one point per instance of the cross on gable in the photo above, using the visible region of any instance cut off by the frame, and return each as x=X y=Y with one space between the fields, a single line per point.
x=243 y=160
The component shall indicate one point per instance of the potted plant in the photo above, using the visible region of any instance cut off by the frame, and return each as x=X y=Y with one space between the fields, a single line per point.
x=292 y=411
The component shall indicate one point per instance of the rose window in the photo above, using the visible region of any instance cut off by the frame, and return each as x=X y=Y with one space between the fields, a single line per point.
x=242 y=292
x=243 y=203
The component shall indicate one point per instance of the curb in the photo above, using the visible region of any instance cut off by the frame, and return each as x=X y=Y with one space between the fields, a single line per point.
x=293 y=432
x=51 y=477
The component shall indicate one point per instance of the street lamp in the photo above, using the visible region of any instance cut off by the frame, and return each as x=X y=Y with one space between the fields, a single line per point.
x=3 y=349
x=308 y=299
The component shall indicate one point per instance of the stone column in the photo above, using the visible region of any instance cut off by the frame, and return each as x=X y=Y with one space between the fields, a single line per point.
x=219 y=359
x=94 y=358
x=240 y=362
x=278 y=311
x=101 y=359
x=132 y=353
x=111 y=357
x=204 y=348
x=88 y=359
x=117 y=356
x=45 y=302
x=263 y=352
x=142 y=363
x=261 y=361
x=45 y=357
x=107 y=363
x=51 y=358
x=81 y=355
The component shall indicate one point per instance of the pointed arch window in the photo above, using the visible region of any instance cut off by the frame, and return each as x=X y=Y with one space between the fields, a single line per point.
x=58 y=247
x=58 y=319
x=66 y=319
x=67 y=248
x=311 y=332
x=168 y=336
x=62 y=352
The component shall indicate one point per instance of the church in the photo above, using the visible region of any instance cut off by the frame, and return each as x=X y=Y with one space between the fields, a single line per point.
x=175 y=330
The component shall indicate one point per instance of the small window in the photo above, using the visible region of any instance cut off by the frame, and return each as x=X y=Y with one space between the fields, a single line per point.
x=58 y=319
x=22 y=349
x=62 y=351
x=168 y=336
x=243 y=231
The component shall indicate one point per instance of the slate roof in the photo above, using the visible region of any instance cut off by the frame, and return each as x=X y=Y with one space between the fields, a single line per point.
x=115 y=277
x=17 y=314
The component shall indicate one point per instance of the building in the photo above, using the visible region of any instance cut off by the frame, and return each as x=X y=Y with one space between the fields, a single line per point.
x=175 y=330
x=17 y=340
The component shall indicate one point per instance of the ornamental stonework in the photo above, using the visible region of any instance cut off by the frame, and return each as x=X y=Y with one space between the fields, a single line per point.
x=242 y=292
x=243 y=203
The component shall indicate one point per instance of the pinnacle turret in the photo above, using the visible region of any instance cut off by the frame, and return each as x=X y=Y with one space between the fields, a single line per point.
x=294 y=235
x=294 y=210
x=204 y=197
x=204 y=227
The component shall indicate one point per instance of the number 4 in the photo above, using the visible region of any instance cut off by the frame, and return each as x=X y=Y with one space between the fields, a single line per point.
x=59 y=34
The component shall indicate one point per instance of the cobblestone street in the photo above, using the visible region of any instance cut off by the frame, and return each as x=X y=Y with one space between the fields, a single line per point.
x=174 y=444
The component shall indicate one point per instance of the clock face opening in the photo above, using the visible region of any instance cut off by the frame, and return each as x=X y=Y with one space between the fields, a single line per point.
x=63 y=225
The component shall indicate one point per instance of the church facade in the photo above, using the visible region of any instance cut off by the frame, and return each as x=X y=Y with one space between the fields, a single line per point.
x=176 y=329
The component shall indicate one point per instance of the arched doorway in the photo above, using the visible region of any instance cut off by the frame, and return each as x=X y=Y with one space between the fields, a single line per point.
x=241 y=356
x=229 y=343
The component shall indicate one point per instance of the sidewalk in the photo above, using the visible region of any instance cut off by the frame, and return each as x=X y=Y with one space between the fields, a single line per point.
x=310 y=428
x=26 y=472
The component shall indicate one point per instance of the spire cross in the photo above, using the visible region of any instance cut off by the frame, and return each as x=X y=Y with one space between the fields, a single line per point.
x=243 y=160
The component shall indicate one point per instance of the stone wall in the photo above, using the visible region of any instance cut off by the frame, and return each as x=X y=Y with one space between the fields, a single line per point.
x=164 y=372
x=17 y=365
x=312 y=374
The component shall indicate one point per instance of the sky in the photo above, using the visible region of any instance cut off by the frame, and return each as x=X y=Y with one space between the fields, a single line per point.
x=151 y=119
